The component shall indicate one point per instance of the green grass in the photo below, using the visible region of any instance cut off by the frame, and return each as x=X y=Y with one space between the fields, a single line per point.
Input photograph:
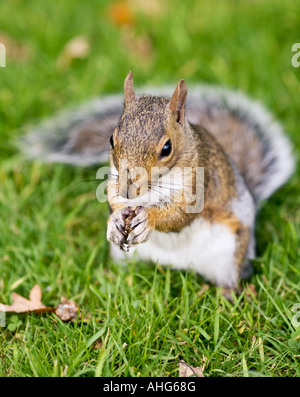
x=52 y=228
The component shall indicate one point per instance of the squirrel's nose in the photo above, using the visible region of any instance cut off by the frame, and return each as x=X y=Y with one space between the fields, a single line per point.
x=124 y=190
x=129 y=189
x=124 y=183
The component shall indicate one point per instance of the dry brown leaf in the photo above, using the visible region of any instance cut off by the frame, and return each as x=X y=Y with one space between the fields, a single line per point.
x=77 y=47
x=67 y=310
x=98 y=344
x=32 y=305
x=186 y=370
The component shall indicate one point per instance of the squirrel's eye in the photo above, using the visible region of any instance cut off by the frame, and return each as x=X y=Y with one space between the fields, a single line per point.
x=167 y=148
x=111 y=142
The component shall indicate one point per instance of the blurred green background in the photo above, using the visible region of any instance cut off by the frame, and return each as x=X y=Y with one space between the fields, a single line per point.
x=241 y=44
x=52 y=229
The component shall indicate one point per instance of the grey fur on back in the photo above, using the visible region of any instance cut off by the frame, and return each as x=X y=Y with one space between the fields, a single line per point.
x=248 y=133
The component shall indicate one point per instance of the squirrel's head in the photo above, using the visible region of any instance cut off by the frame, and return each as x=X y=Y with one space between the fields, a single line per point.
x=151 y=138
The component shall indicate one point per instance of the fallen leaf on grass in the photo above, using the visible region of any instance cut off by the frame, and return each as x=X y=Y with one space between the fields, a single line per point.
x=120 y=13
x=186 y=370
x=66 y=310
x=97 y=344
x=32 y=305
x=126 y=12
x=76 y=48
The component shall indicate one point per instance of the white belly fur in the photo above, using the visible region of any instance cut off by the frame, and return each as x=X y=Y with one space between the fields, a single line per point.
x=206 y=247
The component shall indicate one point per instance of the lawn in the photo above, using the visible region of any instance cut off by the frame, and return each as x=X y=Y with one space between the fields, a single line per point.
x=139 y=320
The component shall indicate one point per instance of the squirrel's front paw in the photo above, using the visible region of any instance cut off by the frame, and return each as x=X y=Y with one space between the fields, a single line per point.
x=139 y=227
x=127 y=227
x=116 y=229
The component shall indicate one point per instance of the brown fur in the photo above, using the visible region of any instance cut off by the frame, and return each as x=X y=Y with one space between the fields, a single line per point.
x=145 y=122
x=243 y=238
x=144 y=125
x=236 y=137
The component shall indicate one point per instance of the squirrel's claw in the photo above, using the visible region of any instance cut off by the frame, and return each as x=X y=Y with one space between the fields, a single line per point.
x=116 y=229
x=140 y=229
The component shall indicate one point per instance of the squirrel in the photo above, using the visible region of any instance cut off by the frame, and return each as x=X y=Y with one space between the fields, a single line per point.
x=241 y=153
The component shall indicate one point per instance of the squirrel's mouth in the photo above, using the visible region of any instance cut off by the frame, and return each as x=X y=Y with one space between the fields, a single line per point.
x=147 y=191
x=157 y=188
x=146 y=194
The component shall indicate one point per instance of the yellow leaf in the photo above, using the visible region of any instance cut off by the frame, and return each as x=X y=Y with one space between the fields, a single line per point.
x=120 y=13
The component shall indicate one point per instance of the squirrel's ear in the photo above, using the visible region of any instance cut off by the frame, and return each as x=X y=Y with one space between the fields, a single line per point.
x=129 y=94
x=178 y=99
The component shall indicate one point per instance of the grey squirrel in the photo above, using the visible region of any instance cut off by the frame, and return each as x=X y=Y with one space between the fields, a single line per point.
x=243 y=153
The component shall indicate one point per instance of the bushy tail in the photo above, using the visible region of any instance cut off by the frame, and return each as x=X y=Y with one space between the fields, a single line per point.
x=249 y=135
x=78 y=136
x=247 y=132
